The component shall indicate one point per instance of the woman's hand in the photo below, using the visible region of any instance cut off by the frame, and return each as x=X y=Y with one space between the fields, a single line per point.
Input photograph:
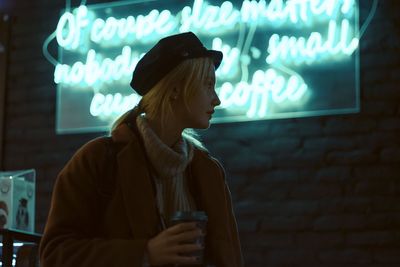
x=169 y=245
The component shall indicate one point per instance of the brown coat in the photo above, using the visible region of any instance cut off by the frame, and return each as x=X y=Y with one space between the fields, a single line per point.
x=85 y=228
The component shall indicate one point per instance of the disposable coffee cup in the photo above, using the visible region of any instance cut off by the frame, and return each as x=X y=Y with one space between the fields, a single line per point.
x=201 y=219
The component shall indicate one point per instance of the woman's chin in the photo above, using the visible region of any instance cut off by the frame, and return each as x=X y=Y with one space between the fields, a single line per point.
x=206 y=124
x=201 y=125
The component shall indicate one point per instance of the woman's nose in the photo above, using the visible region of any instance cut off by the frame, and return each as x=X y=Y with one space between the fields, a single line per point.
x=216 y=100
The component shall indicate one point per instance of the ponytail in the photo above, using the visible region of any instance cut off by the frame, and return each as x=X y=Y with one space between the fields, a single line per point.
x=132 y=113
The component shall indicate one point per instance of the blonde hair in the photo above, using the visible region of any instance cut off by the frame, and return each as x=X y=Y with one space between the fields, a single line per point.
x=188 y=75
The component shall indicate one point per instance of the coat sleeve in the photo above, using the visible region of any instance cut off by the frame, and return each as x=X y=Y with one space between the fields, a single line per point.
x=70 y=237
x=234 y=228
x=234 y=235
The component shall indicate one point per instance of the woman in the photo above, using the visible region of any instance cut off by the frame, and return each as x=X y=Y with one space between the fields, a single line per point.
x=112 y=202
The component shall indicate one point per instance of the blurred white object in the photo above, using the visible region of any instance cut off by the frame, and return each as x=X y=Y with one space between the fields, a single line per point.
x=17 y=200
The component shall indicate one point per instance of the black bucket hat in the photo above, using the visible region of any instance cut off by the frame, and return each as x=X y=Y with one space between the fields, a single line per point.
x=168 y=53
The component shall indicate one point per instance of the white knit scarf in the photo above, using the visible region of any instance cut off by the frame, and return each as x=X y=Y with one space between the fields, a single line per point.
x=169 y=164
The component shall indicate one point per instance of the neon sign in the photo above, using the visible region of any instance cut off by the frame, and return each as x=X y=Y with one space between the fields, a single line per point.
x=281 y=58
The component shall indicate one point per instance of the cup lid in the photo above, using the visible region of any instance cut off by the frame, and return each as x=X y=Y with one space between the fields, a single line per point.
x=189 y=216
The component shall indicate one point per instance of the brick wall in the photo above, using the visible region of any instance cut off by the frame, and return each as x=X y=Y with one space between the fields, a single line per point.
x=319 y=191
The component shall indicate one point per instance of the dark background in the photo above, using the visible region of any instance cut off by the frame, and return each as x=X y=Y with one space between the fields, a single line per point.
x=318 y=191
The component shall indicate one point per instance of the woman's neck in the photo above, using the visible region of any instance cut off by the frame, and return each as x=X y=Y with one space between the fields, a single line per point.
x=169 y=133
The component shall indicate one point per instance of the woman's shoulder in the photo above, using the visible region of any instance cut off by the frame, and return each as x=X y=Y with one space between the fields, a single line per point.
x=95 y=145
x=86 y=164
x=93 y=151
